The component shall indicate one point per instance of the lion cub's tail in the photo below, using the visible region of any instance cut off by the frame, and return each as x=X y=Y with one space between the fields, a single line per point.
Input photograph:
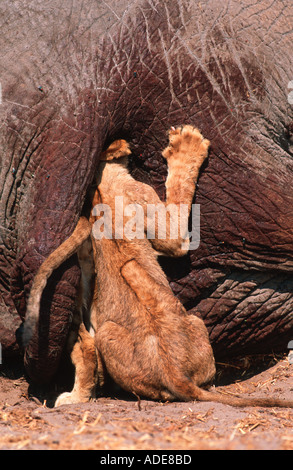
x=185 y=390
x=206 y=395
x=61 y=254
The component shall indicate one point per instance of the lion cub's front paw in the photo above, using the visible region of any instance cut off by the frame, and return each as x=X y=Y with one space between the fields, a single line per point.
x=186 y=144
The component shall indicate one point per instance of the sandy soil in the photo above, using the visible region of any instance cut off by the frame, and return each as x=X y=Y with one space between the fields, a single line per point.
x=124 y=423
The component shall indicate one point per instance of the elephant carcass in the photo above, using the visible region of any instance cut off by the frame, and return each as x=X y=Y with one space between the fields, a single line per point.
x=75 y=76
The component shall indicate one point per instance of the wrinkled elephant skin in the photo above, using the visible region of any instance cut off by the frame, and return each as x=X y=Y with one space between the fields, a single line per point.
x=77 y=74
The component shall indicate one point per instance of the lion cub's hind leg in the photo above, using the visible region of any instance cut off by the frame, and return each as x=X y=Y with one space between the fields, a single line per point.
x=126 y=362
x=85 y=360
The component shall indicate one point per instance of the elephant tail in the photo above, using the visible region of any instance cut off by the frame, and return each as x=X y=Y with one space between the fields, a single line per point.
x=54 y=260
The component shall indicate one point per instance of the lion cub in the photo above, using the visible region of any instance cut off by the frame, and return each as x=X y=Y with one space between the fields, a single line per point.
x=143 y=336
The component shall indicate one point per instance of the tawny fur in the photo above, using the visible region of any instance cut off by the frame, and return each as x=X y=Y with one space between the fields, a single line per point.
x=61 y=254
x=143 y=336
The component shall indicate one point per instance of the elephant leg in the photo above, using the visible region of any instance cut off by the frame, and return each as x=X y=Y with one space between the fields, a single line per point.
x=85 y=360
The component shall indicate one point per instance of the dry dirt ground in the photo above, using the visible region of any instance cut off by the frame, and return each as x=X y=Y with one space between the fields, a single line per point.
x=127 y=423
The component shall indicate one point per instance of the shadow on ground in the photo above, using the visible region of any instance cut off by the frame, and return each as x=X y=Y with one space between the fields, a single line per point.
x=118 y=421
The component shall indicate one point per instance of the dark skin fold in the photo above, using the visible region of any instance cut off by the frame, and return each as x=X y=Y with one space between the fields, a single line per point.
x=79 y=78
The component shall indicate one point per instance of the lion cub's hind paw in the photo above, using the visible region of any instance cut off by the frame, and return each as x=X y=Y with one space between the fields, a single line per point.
x=68 y=398
x=186 y=142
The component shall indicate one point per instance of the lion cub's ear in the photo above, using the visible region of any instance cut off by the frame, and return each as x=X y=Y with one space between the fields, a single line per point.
x=118 y=149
